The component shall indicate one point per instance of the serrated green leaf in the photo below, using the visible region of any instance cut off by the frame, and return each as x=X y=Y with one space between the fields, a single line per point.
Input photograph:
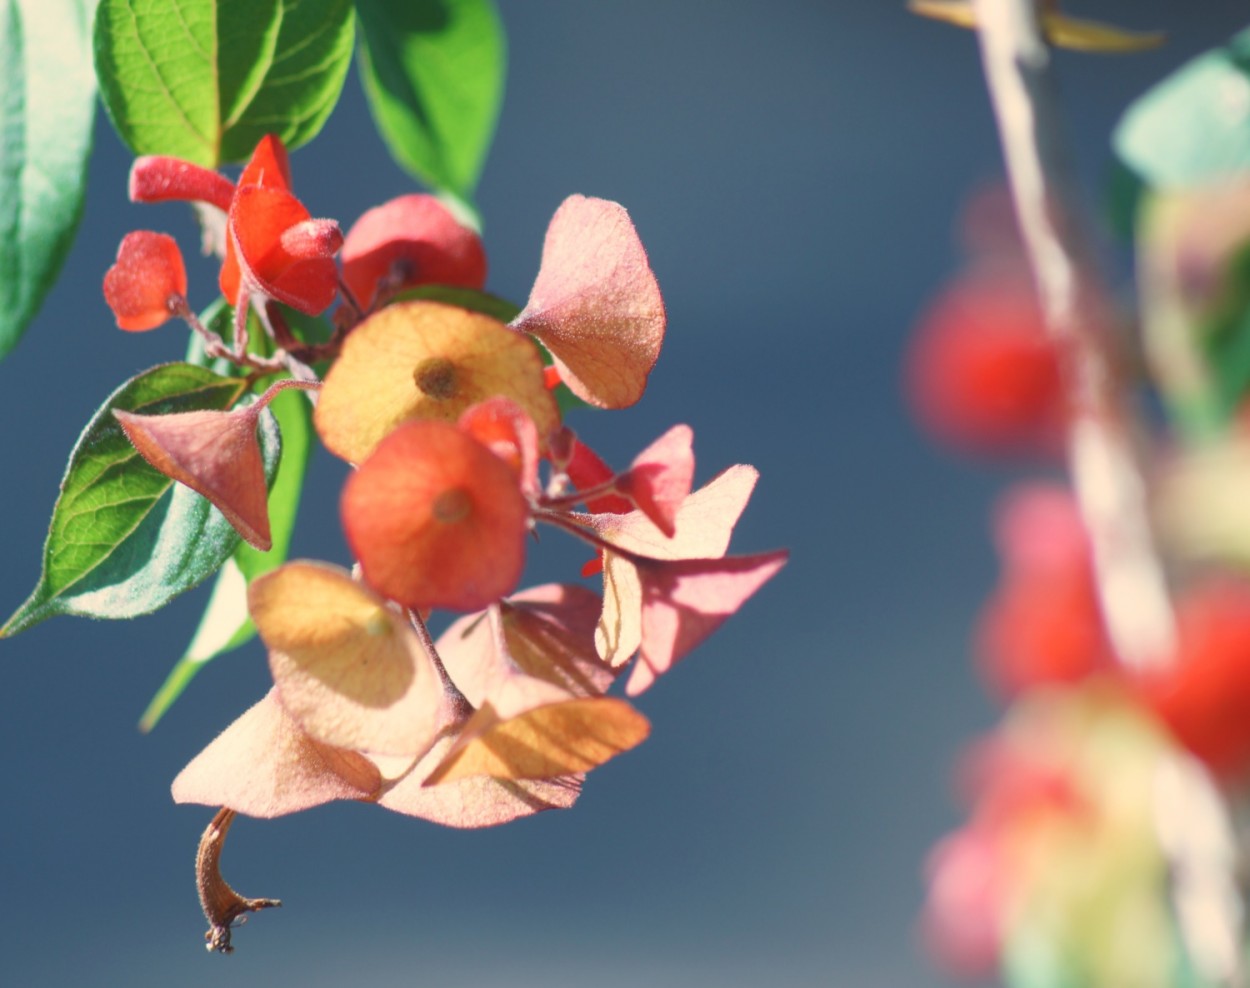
x=205 y=80
x=433 y=73
x=47 y=105
x=124 y=538
x=1194 y=126
x=226 y=624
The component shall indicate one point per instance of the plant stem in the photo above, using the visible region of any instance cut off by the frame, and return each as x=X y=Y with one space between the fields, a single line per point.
x=1104 y=443
x=1106 y=450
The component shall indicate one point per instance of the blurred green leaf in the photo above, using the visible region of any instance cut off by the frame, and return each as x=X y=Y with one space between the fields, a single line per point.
x=225 y=624
x=205 y=80
x=433 y=72
x=46 y=117
x=1194 y=126
x=124 y=538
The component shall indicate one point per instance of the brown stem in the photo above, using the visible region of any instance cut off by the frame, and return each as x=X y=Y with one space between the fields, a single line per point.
x=222 y=905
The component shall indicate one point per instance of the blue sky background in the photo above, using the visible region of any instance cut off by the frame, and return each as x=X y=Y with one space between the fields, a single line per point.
x=794 y=169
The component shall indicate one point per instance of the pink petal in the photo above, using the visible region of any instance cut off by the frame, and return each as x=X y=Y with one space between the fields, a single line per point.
x=478 y=801
x=596 y=305
x=659 y=479
x=215 y=454
x=263 y=765
x=686 y=600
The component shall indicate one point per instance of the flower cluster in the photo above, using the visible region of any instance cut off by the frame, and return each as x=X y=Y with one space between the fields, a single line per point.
x=449 y=416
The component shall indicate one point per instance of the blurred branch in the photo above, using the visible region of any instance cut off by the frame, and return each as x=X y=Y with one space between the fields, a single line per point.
x=1104 y=451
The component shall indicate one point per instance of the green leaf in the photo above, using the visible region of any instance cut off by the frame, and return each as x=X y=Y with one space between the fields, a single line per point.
x=225 y=624
x=466 y=298
x=205 y=80
x=1194 y=126
x=124 y=538
x=433 y=73
x=46 y=115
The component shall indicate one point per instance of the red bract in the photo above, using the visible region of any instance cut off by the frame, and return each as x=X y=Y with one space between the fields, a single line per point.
x=269 y=167
x=1204 y=695
x=982 y=374
x=281 y=250
x=502 y=426
x=436 y=519
x=156 y=178
x=411 y=240
x=587 y=471
x=147 y=285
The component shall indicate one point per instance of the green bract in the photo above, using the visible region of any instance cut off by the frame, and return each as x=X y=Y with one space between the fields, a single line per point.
x=124 y=538
x=45 y=116
x=204 y=80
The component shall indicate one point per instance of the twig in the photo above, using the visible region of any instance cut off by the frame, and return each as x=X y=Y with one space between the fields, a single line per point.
x=1105 y=455
x=1103 y=444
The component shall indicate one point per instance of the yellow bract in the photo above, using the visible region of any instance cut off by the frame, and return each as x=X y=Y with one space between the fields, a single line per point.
x=1061 y=30
x=426 y=360
x=347 y=667
x=555 y=739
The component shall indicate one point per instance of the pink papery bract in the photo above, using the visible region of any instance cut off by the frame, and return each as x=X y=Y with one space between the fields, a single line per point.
x=704 y=525
x=550 y=635
x=659 y=479
x=596 y=305
x=476 y=801
x=685 y=600
x=214 y=453
x=264 y=765
x=347 y=665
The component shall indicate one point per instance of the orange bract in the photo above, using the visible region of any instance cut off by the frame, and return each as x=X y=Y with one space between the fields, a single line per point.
x=426 y=360
x=436 y=519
